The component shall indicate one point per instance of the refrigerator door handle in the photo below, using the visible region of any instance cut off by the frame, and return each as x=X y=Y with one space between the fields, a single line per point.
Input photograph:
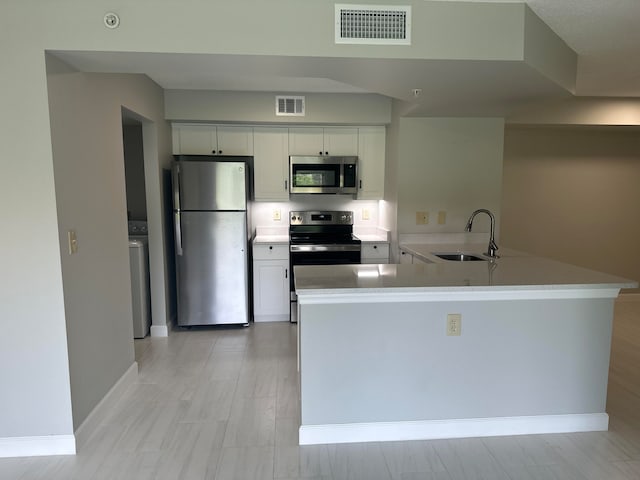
x=176 y=217
x=176 y=186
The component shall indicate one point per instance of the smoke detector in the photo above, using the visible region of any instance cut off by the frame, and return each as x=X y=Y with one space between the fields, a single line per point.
x=111 y=20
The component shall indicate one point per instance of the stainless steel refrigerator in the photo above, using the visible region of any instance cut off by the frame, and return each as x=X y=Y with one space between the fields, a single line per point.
x=210 y=223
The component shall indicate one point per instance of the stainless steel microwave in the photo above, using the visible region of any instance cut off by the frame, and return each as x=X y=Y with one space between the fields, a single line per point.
x=317 y=174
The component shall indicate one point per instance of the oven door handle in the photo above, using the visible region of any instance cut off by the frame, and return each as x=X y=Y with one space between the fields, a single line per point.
x=324 y=248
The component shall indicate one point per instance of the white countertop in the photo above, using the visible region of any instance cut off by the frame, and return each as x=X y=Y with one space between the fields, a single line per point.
x=508 y=273
x=271 y=239
x=367 y=238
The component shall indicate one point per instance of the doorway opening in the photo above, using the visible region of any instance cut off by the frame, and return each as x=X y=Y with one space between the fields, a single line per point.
x=133 y=152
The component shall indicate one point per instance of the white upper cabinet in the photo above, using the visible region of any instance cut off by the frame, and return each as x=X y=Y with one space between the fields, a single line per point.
x=271 y=163
x=341 y=141
x=323 y=141
x=194 y=139
x=371 y=159
x=233 y=140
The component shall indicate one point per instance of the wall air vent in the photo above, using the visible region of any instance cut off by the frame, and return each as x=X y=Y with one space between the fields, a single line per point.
x=290 y=106
x=373 y=24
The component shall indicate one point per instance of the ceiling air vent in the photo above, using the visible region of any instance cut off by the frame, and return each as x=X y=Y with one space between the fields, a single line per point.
x=290 y=106
x=373 y=24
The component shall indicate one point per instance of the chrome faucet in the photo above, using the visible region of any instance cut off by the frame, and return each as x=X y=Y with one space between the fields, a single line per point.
x=491 y=250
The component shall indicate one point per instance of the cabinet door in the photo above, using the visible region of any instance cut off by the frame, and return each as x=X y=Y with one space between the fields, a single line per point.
x=405 y=257
x=306 y=141
x=271 y=163
x=194 y=139
x=234 y=140
x=340 y=141
x=271 y=290
x=371 y=160
x=375 y=253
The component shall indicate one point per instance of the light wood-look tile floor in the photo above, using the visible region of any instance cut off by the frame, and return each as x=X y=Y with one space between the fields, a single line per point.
x=223 y=404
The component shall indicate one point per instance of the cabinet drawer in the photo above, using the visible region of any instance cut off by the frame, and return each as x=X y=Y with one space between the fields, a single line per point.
x=267 y=251
x=375 y=250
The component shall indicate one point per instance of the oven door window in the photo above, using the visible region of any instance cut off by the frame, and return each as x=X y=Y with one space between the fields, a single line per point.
x=315 y=178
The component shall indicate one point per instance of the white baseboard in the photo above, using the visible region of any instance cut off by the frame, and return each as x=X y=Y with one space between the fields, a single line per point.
x=69 y=444
x=37 y=446
x=439 y=429
x=159 y=331
x=100 y=411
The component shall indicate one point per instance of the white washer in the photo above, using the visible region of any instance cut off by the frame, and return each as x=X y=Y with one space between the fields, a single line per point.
x=140 y=294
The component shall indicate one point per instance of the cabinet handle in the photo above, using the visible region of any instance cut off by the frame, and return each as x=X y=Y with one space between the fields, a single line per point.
x=270 y=247
x=326 y=153
x=220 y=152
x=375 y=246
x=286 y=273
x=213 y=151
x=285 y=184
x=360 y=184
x=320 y=152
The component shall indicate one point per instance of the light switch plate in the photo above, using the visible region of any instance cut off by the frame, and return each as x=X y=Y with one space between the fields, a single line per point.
x=365 y=214
x=276 y=214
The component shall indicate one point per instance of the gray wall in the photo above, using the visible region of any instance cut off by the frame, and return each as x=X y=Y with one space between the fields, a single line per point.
x=87 y=141
x=448 y=164
x=134 y=171
x=217 y=106
x=513 y=358
x=571 y=193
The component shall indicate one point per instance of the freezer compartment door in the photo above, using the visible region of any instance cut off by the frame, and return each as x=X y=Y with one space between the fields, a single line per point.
x=212 y=270
x=210 y=185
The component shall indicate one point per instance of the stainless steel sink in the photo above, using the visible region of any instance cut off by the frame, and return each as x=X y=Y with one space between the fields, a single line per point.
x=460 y=257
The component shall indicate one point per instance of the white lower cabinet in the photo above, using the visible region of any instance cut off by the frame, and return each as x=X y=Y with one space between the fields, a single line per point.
x=271 y=283
x=375 y=253
x=405 y=257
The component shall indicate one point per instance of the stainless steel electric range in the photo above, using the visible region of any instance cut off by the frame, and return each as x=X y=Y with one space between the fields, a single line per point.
x=321 y=238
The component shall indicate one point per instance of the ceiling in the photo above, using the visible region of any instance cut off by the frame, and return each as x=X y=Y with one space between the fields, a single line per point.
x=604 y=34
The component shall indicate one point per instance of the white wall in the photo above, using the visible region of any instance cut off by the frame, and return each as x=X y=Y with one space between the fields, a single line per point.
x=88 y=161
x=452 y=165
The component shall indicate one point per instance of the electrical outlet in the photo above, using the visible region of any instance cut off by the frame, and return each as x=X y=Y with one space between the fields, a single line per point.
x=365 y=214
x=454 y=324
x=73 y=242
x=422 y=218
x=276 y=214
x=442 y=217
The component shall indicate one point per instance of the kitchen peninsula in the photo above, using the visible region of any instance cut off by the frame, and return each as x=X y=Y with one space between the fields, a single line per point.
x=517 y=345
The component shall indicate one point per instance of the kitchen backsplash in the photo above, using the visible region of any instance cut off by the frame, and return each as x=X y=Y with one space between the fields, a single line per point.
x=264 y=214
